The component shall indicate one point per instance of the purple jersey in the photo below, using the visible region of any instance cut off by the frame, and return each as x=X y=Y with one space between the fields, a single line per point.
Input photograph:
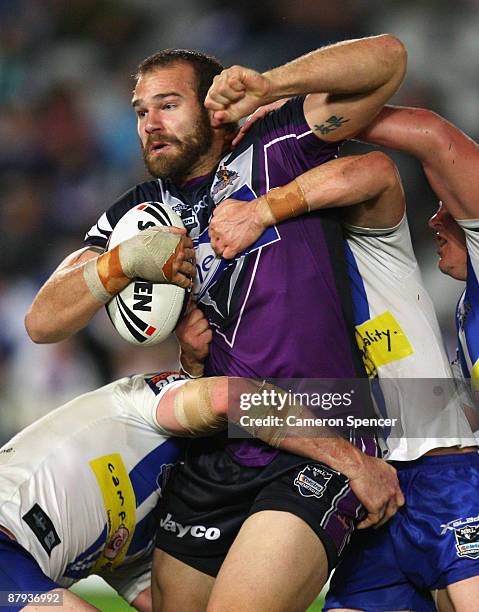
x=282 y=308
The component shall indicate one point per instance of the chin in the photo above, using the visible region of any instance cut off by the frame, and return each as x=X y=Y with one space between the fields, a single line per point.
x=457 y=272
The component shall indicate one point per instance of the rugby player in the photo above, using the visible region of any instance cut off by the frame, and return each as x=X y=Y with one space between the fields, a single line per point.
x=432 y=544
x=187 y=149
x=79 y=488
x=449 y=159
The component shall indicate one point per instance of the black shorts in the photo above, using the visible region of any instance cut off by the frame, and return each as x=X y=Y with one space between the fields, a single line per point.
x=210 y=496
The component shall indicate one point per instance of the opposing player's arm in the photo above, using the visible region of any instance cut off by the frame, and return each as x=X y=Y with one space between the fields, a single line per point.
x=203 y=406
x=367 y=186
x=346 y=85
x=449 y=157
x=86 y=280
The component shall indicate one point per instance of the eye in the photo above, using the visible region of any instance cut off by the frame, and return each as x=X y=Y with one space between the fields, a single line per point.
x=170 y=106
x=140 y=114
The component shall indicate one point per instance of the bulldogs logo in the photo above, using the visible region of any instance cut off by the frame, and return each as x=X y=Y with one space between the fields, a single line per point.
x=466 y=533
x=467 y=541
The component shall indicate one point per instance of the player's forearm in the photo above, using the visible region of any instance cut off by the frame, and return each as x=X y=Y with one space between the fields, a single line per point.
x=449 y=157
x=336 y=452
x=416 y=131
x=342 y=182
x=356 y=66
x=63 y=306
x=201 y=407
x=85 y=280
x=254 y=405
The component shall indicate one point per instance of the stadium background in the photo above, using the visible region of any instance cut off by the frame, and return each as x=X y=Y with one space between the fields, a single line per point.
x=69 y=146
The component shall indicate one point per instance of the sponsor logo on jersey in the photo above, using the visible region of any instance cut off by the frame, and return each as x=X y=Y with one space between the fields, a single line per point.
x=157 y=382
x=224 y=177
x=381 y=340
x=42 y=526
x=312 y=481
x=475 y=377
x=116 y=543
x=466 y=533
x=120 y=508
x=197 y=531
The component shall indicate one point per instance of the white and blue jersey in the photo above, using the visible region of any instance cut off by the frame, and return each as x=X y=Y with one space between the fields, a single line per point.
x=79 y=487
x=433 y=540
x=467 y=311
x=400 y=340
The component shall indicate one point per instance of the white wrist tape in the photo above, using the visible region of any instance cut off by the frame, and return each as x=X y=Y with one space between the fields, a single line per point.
x=93 y=282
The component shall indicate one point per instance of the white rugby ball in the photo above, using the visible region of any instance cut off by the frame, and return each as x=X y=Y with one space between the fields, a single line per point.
x=146 y=313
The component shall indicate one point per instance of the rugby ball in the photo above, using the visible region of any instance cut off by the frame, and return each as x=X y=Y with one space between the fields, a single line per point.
x=146 y=313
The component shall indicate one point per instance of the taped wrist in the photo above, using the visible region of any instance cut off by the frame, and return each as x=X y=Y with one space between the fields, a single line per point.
x=287 y=201
x=104 y=277
x=150 y=255
x=192 y=408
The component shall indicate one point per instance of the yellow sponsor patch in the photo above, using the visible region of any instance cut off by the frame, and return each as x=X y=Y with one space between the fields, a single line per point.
x=381 y=340
x=475 y=377
x=120 y=508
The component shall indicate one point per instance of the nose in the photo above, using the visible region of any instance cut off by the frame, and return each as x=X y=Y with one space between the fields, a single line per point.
x=153 y=123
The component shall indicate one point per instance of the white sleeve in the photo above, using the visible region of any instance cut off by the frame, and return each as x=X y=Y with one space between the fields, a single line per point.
x=143 y=392
x=471 y=229
x=390 y=247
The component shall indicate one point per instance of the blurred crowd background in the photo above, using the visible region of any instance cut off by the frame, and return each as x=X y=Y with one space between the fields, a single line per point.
x=69 y=146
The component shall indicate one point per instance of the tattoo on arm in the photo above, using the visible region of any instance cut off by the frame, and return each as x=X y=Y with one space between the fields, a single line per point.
x=331 y=124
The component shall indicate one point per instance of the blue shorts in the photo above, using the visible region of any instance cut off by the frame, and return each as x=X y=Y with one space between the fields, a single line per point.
x=19 y=572
x=431 y=542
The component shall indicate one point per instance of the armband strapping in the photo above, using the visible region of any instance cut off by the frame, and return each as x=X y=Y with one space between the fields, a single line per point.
x=192 y=408
x=93 y=282
x=287 y=201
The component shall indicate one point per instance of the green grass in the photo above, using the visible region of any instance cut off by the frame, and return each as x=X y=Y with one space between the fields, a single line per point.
x=107 y=603
x=113 y=603
x=317 y=605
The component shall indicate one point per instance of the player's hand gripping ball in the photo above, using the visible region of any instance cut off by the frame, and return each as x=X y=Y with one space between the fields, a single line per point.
x=144 y=312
